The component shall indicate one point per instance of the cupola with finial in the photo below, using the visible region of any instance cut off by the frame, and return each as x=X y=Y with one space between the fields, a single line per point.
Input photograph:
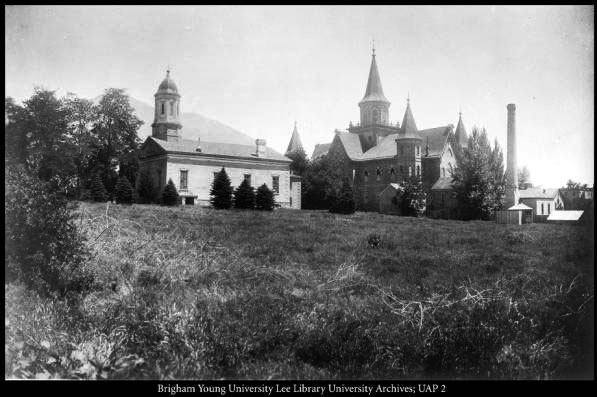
x=166 y=123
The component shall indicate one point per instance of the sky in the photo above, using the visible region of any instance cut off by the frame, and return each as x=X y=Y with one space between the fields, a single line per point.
x=261 y=68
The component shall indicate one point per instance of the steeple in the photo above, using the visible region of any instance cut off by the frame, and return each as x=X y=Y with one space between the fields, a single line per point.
x=460 y=133
x=409 y=127
x=374 y=105
x=166 y=123
x=374 y=91
x=295 y=142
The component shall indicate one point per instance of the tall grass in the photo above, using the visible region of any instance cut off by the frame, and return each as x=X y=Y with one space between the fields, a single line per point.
x=190 y=292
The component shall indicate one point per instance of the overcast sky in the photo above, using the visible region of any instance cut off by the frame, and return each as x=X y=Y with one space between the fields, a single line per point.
x=258 y=69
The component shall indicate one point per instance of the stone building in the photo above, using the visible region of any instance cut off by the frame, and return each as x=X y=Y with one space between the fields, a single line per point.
x=192 y=164
x=376 y=153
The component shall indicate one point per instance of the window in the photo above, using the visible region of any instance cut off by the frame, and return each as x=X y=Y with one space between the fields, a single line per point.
x=418 y=150
x=378 y=173
x=163 y=111
x=375 y=116
x=410 y=171
x=366 y=175
x=548 y=208
x=276 y=184
x=443 y=172
x=248 y=178
x=418 y=170
x=171 y=108
x=184 y=179
x=392 y=171
x=542 y=209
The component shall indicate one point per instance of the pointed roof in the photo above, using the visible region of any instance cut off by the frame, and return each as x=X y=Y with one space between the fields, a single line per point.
x=460 y=133
x=374 y=91
x=295 y=142
x=409 y=127
x=167 y=85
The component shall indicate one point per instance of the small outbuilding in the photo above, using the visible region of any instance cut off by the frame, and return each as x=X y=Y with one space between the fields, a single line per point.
x=566 y=217
x=389 y=199
x=515 y=215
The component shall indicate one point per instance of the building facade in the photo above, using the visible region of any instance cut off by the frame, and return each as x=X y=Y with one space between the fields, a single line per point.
x=375 y=153
x=192 y=164
x=543 y=201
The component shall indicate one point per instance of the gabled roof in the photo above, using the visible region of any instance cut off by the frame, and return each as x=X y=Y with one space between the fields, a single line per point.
x=320 y=150
x=460 y=133
x=537 y=192
x=374 y=91
x=386 y=147
x=295 y=143
x=437 y=138
x=443 y=183
x=409 y=127
x=351 y=144
x=188 y=146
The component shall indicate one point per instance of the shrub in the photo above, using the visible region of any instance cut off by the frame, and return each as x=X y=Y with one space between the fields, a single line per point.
x=97 y=190
x=221 y=191
x=344 y=203
x=264 y=199
x=146 y=189
x=124 y=191
x=170 y=195
x=244 y=196
x=374 y=240
x=44 y=249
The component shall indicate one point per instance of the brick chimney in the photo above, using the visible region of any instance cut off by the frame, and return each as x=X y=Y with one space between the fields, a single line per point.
x=260 y=147
x=511 y=170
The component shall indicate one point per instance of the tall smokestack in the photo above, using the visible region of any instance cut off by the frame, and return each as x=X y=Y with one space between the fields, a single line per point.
x=512 y=170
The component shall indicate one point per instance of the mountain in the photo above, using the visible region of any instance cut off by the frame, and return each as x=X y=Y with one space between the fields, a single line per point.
x=194 y=125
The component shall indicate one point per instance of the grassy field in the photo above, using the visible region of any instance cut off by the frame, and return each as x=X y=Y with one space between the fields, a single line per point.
x=192 y=292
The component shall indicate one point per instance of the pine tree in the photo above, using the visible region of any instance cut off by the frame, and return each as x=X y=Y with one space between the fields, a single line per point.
x=479 y=178
x=344 y=203
x=244 y=196
x=221 y=191
x=264 y=200
x=170 y=194
x=123 y=191
x=146 y=189
x=98 y=191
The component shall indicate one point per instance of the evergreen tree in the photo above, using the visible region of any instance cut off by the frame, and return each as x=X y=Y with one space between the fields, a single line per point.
x=98 y=191
x=524 y=178
x=479 y=180
x=170 y=194
x=146 y=190
x=264 y=200
x=221 y=191
x=321 y=181
x=244 y=196
x=299 y=162
x=123 y=191
x=344 y=203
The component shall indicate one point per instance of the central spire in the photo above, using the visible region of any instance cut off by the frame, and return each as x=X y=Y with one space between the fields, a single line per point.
x=374 y=91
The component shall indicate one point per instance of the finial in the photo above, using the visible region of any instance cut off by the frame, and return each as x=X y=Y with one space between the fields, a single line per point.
x=408 y=97
x=373 y=47
x=168 y=71
x=460 y=111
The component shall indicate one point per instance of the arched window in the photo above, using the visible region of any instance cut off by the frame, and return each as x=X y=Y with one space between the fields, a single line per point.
x=171 y=108
x=418 y=170
x=163 y=109
x=418 y=151
x=392 y=171
x=378 y=173
x=366 y=175
x=376 y=118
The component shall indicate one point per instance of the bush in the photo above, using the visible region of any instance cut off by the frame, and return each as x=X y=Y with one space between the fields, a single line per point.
x=124 y=191
x=221 y=191
x=170 y=194
x=97 y=190
x=244 y=196
x=344 y=203
x=44 y=249
x=264 y=199
x=146 y=190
